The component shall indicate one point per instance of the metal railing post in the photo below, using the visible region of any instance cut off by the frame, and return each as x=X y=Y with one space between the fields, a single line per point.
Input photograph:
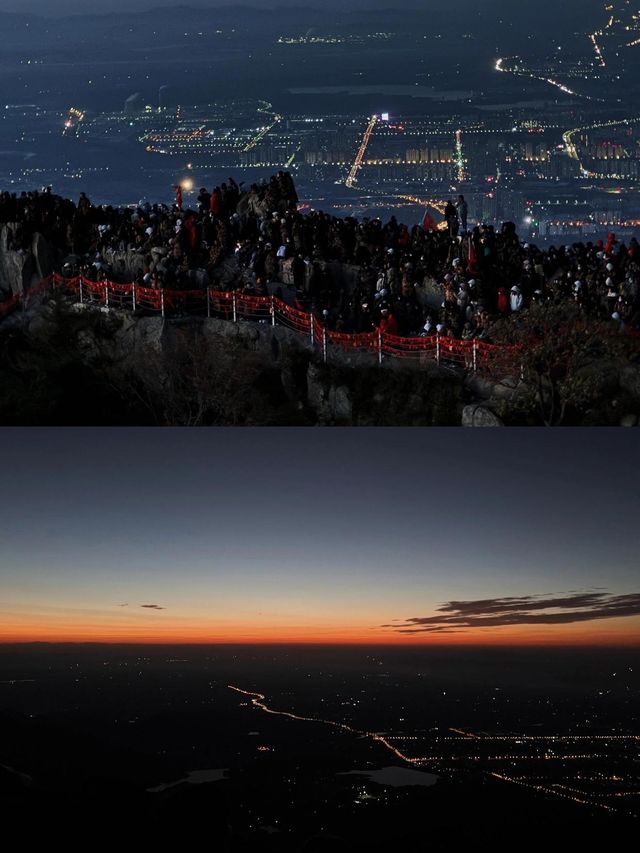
x=162 y=302
x=273 y=311
x=81 y=295
x=235 y=310
x=438 y=348
x=379 y=347
x=311 y=325
x=475 y=356
x=133 y=295
x=106 y=294
x=208 y=302
x=324 y=345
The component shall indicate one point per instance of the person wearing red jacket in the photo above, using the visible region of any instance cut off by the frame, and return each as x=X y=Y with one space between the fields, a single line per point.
x=388 y=324
x=503 y=301
x=215 y=203
x=192 y=232
x=611 y=241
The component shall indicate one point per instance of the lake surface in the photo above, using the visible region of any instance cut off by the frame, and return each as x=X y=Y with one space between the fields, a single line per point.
x=415 y=91
x=194 y=777
x=396 y=777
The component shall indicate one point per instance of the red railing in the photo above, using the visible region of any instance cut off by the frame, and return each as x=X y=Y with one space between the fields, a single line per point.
x=474 y=355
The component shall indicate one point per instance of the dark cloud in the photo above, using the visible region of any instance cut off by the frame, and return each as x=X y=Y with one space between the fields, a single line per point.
x=153 y=606
x=522 y=610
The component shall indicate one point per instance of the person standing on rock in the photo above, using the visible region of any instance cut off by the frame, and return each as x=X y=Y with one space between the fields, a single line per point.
x=451 y=218
x=215 y=204
x=463 y=212
x=84 y=205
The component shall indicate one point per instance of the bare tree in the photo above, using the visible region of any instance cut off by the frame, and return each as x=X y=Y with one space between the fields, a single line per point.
x=564 y=357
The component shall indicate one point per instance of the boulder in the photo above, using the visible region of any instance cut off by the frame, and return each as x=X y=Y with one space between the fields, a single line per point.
x=630 y=380
x=507 y=389
x=479 y=416
x=480 y=387
x=339 y=406
x=16 y=268
x=43 y=257
x=315 y=388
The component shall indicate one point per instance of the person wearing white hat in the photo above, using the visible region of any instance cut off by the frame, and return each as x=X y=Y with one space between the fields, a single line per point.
x=516 y=300
x=427 y=329
x=463 y=297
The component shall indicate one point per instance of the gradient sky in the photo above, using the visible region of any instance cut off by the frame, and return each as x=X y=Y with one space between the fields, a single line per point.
x=316 y=535
x=54 y=8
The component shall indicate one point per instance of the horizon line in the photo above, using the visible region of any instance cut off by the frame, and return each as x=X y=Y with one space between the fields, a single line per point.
x=340 y=644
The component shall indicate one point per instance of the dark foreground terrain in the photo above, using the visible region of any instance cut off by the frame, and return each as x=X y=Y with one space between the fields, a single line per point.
x=87 y=732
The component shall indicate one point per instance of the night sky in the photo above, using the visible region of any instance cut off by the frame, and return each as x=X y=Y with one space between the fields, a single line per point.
x=391 y=535
x=65 y=7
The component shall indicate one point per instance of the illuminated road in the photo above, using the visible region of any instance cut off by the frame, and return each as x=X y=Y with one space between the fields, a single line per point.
x=572 y=148
x=522 y=72
x=352 y=180
x=553 y=790
x=257 y=700
x=257 y=139
x=436 y=204
x=617 y=28
x=593 y=38
x=289 y=162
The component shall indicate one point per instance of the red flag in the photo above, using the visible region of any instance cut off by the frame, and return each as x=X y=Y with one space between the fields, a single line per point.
x=428 y=223
x=472 y=261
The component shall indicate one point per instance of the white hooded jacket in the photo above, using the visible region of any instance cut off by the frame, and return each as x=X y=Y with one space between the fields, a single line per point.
x=516 y=299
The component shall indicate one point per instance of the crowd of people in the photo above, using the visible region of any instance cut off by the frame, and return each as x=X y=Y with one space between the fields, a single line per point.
x=452 y=279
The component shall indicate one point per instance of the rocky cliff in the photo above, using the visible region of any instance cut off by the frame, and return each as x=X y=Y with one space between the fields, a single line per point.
x=19 y=267
x=65 y=365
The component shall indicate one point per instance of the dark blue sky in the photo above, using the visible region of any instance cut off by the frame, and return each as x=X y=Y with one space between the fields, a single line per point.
x=60 y=7
x=269 y=533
